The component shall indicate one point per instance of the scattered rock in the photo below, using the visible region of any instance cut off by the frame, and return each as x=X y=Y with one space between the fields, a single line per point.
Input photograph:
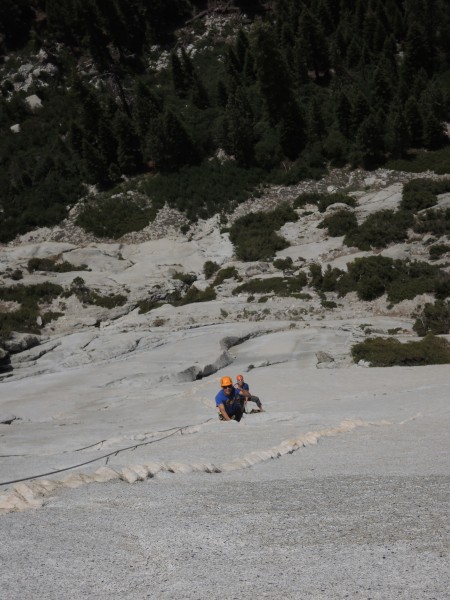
x=324 y=357
x=7 y=418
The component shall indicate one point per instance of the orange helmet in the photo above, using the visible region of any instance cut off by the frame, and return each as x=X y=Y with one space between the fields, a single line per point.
x=240 y=378
x=225 y=381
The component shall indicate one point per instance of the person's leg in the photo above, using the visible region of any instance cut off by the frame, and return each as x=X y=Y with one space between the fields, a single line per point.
x=257 y=400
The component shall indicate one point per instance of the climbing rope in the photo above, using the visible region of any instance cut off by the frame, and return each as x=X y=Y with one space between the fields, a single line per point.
x=104 y=456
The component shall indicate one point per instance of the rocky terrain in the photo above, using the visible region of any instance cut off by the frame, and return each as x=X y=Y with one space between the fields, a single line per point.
x=111 y=395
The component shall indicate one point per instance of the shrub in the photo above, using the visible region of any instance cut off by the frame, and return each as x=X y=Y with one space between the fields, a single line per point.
x=373 y=276
x=339 y=223
x=114 y=216
x=438 y=250
x=323 y=200
x=186 y=278
x=387 y=352
x=280 y=286
x=31 y=294
x=51 y=265
x=419 y=194
x=283 y=264
x=29 y=297
x=437 y=161
x=380 y=229
x=327 y=200
x=254 y=237
x=147 y=305
x=209 y=268
x=195 y=295
x=307 y=198
x=434 y=318
x=204 y=190
x=226 y=273
x=435 y=221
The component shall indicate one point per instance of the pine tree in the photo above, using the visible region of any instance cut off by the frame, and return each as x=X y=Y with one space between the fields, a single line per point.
x=176 y=148
x=414 y=122
x=314 y=44
x=129 y=159
x=240 y=128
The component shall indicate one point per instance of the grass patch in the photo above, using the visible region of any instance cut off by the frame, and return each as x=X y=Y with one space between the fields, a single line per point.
x=389 y=352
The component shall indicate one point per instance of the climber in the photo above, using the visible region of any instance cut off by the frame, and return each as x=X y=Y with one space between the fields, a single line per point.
x=228 y=401
x=242 y=387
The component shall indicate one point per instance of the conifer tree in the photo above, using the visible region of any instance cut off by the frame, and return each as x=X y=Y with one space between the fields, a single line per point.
x=240 y=128
x=176 y=148
x=414 y=122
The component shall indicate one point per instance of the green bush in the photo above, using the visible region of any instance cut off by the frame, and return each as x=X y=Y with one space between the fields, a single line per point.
x=280 y=286
x=339 y=223
x=419 y=194
x=254 y=237
x=113 y=216
x=435 y=221
x=24 y=319
x=204 y=190
x=434 y=318
x=388 y=352
x=307 y=198
x=437 y=161
x=195 y=295
x=209 y=268
x=186 y=278
x=438 y=250
x=226 y=273
x=51 y=265
x=147 y=305
x=380 y=229
x=323 y=200
x=373 y=276
x=31 y=294
x=283 y=264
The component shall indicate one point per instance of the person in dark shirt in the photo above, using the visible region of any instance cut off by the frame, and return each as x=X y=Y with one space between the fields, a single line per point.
x=243 y=387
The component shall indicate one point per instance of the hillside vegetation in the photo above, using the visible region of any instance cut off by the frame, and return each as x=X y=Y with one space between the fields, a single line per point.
x=156 y=89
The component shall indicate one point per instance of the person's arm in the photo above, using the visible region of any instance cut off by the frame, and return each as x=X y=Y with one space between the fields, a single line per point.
x=223 y=412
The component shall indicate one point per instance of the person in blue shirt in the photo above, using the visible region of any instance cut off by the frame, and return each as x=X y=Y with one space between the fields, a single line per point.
x=242 y=387
x=228 y=401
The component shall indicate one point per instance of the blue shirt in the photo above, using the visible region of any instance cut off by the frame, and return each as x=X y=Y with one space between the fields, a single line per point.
x=245 y=387
x=222 y=398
